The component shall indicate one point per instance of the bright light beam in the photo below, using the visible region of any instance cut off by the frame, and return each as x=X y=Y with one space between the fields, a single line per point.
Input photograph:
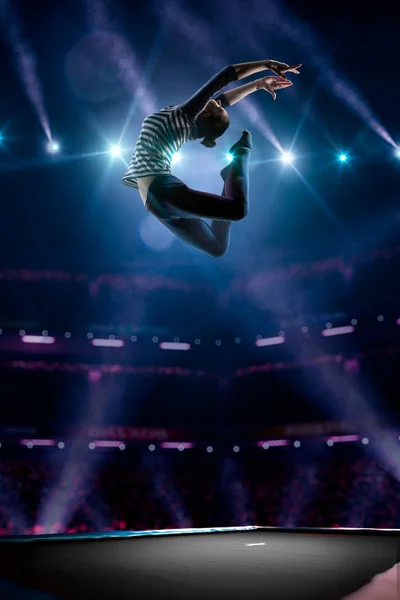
x=99 y=19
x=34 y=163
x=343 y=157
x=176 y=158
x=152 y=61
x=53 y=147
x=202 y=39
x=324 y=207
x=25 y=62
x=115 y=151
x=174 y=346
x=266 y=14
x=76 y=468
x=346 y=94
x=287 y=158
x=272 y=341
x=306 y=111
x=159 y=472
x=38 y=339
x=107 y=343
x=338 y=331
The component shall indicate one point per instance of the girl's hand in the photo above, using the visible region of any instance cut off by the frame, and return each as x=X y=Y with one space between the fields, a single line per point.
x=270 y=84
x=281 y=68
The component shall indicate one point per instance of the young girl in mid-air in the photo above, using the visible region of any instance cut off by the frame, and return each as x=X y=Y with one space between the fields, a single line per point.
x=180 y=208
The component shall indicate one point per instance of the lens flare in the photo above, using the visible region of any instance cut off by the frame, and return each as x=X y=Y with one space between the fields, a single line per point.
x=176 y=159
x=53 y=147
x=115 y=151
x=287 y=158
x=342 y=157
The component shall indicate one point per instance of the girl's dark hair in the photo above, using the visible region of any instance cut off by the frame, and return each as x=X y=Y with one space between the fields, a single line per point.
x=212 y=127
x=209 y=142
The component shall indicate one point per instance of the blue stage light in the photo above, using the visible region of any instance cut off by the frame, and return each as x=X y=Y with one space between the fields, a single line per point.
x=115 y=151
x=229 y=157
x=342 y=157
x=176 y=158
x=398 y=153
x=53 y=147
x=287 y=158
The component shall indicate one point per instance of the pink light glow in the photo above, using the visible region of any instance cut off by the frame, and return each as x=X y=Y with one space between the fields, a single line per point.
x=94 y=376
x=38 y=442
x=352 y=365
x=398 y=321
x=343 y=438
x=338 y=331
x=106 y=343
x=38 y=339
x=176 y=445
x=274 y=443
x=174 y=346
x=272 y=341
x=107 y=444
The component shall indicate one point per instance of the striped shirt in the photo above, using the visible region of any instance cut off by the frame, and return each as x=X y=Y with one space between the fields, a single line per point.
x=163 y=133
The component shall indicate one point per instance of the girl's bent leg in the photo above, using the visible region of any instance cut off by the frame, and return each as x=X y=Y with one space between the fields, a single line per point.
x=222 y=229
x=237 y=179
x=198 y=234
x=169 y=202
x=213 y=240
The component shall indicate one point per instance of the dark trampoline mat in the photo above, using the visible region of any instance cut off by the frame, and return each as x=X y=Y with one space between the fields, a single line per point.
x=244 y=563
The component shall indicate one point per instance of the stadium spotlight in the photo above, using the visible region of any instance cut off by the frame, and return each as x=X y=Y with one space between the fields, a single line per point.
x=287 y=158
x=342 y=157
x=53 y=147
x=176 y=158
x=115 y=151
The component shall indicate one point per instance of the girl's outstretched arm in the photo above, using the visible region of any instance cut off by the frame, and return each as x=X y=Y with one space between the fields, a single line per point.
x=196 y=103
x=246 y=69
x=269 y=84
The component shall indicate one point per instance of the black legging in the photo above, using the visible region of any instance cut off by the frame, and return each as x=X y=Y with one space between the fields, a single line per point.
x=168 y=197
x=182 y=209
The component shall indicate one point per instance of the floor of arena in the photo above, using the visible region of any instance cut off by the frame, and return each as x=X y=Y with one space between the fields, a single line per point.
x=249 y=562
